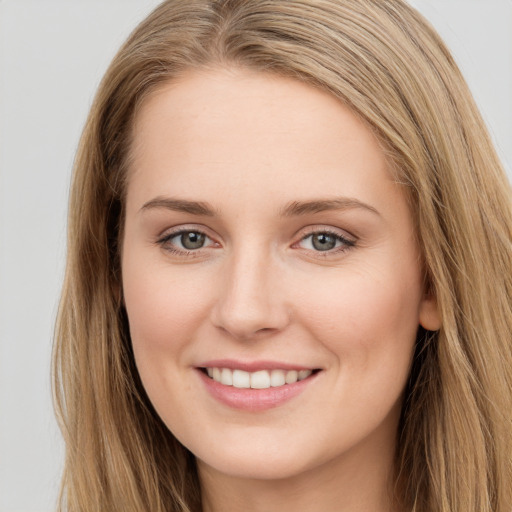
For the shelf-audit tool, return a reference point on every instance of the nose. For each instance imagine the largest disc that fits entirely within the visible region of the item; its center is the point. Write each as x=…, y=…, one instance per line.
x=251, y=299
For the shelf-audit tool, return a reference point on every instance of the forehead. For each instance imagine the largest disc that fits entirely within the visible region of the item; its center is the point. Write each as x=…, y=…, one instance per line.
x=253, y=133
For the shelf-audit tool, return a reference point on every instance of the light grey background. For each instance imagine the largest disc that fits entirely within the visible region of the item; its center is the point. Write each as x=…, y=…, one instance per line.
x=52, y=56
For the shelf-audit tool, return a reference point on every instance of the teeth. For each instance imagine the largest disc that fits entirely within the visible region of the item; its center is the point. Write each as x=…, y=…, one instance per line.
x=291, y=377
x=262, y=379
x=277, y=378
x=241, y=379
x=226, y=377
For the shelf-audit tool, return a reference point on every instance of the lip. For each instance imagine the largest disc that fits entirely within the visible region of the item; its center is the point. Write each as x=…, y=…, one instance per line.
x=254, y=400
x=252, y=366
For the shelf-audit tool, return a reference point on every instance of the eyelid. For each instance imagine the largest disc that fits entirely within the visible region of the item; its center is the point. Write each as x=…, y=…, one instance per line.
x=348, y=240
x=185, y=228
x=322, y=228
x=170, y=233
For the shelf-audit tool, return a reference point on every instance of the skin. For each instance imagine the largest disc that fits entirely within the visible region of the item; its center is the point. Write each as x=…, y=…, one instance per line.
x=249, y=145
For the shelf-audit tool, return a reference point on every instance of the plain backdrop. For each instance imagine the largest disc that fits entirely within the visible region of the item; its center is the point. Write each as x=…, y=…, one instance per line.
x=52, y=56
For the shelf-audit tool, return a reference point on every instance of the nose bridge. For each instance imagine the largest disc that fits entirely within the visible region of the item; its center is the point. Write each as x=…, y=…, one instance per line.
x=250, y=299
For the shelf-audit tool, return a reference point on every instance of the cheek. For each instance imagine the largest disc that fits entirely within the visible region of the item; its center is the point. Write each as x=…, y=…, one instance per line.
x=369, y=320
x=163, y=311
x=370, y=327
x=162, y=307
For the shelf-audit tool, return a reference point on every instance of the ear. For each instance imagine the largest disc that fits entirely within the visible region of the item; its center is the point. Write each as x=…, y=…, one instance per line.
x=429, y=316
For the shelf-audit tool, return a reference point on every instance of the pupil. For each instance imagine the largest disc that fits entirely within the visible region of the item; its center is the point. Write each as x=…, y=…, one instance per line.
x=323, y=242
x=192, y=240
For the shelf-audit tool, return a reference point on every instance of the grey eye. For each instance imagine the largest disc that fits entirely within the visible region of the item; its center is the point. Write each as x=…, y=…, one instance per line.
x=191, y=240
x=323, y=241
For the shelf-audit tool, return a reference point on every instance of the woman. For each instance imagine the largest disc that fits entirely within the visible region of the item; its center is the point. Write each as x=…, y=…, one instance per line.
x=288, y=280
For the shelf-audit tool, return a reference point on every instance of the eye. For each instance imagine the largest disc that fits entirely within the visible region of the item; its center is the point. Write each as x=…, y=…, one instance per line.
x=325, y=241
x=190, y=240
x=185, y=241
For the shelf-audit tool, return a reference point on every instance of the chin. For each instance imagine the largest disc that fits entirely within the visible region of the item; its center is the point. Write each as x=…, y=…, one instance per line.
x=263, y=457
x=255, y=468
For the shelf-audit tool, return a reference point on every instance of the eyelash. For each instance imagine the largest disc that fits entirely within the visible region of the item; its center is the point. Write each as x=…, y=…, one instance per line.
x=164, y=242
x=346, y=243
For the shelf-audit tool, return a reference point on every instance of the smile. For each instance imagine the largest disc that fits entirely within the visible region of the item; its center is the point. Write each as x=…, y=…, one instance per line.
x=255, y=386
x=262, y=379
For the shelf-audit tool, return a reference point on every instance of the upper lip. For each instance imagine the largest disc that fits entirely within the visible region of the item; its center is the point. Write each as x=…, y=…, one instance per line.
x=253, y=366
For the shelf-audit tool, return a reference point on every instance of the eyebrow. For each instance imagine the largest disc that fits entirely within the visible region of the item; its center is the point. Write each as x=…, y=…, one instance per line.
x=296, y=208
x=180, y=205
x=292, y=209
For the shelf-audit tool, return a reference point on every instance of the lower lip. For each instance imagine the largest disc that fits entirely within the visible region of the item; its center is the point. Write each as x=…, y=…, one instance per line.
x=255, y=400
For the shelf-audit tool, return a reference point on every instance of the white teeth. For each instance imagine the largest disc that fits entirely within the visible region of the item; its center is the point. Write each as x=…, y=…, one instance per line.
x=226, y=377
x=241, y=379
x=291, y=377
x=277, y=378
x=304, y=374
x=262, y=379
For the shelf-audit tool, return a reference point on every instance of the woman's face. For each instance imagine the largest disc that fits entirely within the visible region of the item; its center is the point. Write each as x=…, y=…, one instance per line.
x=267, y=245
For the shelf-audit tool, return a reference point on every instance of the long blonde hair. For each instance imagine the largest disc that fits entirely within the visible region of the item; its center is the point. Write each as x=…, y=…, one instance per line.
x=384, y=61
